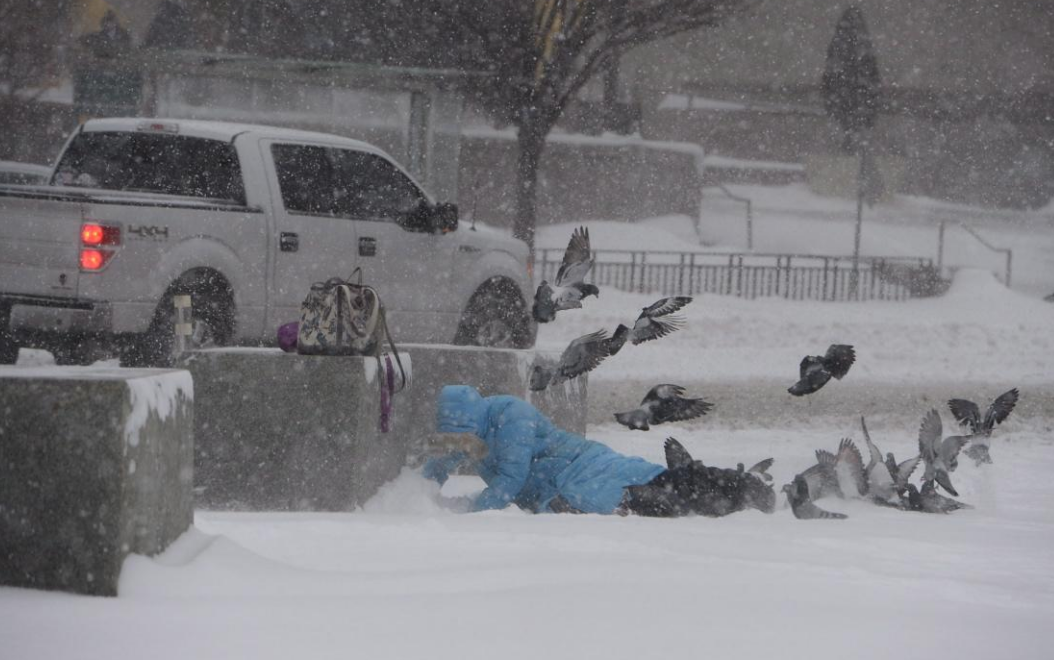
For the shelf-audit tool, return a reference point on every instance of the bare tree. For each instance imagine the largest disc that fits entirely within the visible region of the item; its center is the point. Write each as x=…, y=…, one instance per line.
x=32, y=34
x=541, y=54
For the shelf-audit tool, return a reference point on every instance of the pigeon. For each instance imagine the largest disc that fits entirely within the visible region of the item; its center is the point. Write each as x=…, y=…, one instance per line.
x=663, y=403
x=928, y=500
x=570, y=283
x=580, y=356
x=969, y=415
x=815, y=370
x=688, y=487
x=836, y=474
x=677, y=457
x=886, y=481
x=654, y=322
x=801, y=504
x=901, y=471
x=938, y=455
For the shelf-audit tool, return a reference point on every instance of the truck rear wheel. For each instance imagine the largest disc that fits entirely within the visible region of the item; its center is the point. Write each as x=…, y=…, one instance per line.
x=497, y=317
x=212, y=322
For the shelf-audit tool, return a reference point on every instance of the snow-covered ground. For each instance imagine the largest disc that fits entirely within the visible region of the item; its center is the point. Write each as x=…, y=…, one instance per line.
x=410, y=577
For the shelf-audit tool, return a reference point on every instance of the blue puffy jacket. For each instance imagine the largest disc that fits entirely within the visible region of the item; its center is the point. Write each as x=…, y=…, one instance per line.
x=530, y=461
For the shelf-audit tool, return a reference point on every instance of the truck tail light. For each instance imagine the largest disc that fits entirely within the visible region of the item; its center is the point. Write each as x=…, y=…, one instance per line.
x=94, y=259
x=93, y=234
x=93, y=237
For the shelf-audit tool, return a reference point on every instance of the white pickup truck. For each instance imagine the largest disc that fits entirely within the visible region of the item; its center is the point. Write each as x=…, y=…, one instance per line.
x=244, y=218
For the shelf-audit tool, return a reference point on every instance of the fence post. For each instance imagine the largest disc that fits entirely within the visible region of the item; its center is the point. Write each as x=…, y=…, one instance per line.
x=823, y=284
x=643, y=269
x=739, y=277
x=940, y=247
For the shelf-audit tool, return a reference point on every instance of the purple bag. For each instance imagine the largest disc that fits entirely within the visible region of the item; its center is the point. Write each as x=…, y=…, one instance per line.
x=287, y=333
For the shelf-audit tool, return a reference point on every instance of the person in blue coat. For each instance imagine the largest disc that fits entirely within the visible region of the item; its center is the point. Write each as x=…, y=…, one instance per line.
x=541, y=468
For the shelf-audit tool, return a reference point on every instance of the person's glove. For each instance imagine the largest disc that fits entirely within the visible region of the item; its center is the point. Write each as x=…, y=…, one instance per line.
x=439, y=468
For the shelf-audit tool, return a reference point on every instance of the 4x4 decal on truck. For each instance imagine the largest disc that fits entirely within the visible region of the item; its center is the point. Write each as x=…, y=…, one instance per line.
x=148, y=231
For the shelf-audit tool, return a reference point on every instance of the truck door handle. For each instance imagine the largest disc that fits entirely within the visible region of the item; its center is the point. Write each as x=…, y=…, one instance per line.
x=288, y=242
x=367, y=247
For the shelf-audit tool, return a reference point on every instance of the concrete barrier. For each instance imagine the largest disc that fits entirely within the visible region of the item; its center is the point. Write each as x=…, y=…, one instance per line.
x=278, y=431
x=95, y=463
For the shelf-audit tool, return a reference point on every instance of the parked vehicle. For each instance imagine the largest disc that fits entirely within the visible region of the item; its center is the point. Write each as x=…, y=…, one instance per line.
x=244, y=218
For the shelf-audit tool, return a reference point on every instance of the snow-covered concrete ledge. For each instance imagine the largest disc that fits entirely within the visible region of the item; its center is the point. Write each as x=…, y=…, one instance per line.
x=95, y=463
x=286, y=432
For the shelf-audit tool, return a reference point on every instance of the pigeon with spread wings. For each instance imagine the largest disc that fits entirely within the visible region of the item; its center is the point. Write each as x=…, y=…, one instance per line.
x=886, y=480
x=654, y=321
x=939, y=455
x=969, y=415
x=581, y=355
x=663, y=403
x=570, y=285
x=815, y=370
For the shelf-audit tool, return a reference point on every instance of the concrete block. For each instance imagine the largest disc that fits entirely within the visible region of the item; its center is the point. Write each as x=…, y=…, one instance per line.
x=287, y=432
x=95, y=463
x=278, y=431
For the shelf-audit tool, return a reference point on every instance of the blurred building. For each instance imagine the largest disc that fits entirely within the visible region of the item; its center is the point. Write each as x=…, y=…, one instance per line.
x=969, y=90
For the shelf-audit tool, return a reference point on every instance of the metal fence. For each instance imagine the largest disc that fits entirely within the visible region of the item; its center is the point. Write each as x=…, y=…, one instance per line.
x=797, y=277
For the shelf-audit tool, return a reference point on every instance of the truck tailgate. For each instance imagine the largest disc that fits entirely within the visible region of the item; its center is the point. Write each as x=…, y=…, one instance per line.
x=39, y=244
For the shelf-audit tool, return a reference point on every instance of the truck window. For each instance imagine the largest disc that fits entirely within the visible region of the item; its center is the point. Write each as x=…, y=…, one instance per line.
x=156, y=163
x=305, y=179
x=376, y=189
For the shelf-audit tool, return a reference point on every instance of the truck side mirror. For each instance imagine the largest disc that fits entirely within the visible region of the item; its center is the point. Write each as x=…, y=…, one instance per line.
x=446, y=216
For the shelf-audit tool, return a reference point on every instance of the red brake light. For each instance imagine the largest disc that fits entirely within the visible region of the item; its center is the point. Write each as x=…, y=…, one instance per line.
x=95, y=234
x=92, y=259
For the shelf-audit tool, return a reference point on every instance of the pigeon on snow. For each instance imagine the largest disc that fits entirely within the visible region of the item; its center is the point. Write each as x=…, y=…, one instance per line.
x=940, y=456
x=802, y=505
x=886, y=481
x=654, y=322
x=838, y=474
x=580, y=356
x=969, y=415
x=816, y=370
x=690, y=487
x=663, y=403
x=928, y=500
x=570, y=283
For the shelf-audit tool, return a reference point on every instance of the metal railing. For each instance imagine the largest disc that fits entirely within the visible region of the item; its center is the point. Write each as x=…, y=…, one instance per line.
x=796, y=277
x=980, y=239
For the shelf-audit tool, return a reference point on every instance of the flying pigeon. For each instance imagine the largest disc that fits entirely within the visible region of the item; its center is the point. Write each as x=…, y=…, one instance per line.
x=938, y=455
x=815, y=370
x=886, y=481
x=580, y=356
x=801, y=504
x=663, y=403
x=969, y=415
x=570, y=283
x=653, y=322
x=928, y=500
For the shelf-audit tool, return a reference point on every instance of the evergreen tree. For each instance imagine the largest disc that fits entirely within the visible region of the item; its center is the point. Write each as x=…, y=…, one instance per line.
x=851, y=83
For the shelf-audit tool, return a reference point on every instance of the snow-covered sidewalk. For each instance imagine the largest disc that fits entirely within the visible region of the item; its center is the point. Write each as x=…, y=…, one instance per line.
x=408, y=577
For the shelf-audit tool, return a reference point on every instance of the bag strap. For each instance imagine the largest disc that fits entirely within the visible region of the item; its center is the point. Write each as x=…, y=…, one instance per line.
x=358, y=269
x=395, y=351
